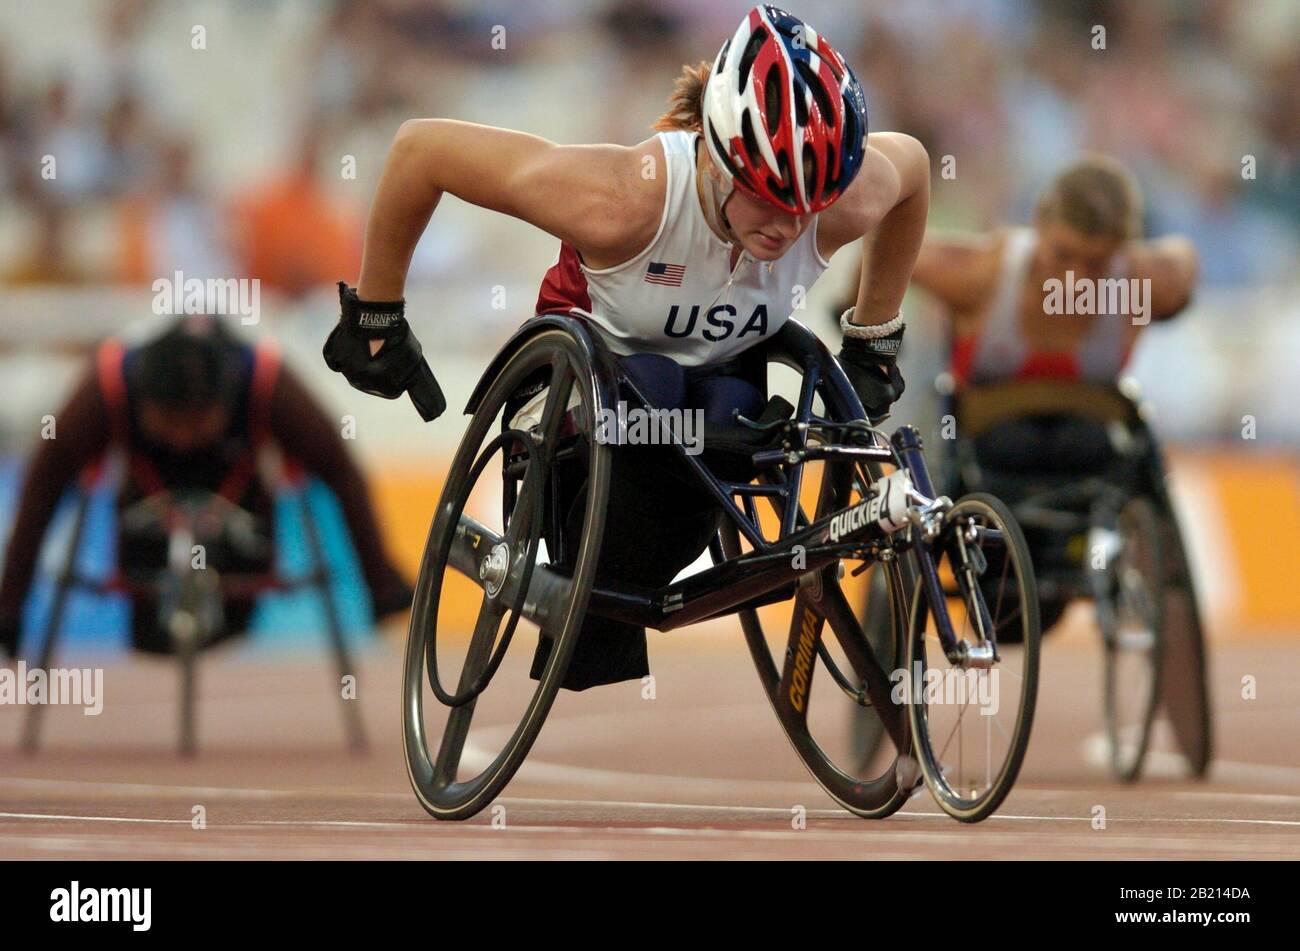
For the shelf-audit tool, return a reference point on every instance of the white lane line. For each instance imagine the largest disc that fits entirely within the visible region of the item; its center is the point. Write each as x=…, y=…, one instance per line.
x=109, y=788
x=851, y=819
x=1159, y=764
x=136, y=789
x=1148, y=819
x=452, y=852
x=60, y=818
x=578, y=828
x=130, y=789
x=894, y=846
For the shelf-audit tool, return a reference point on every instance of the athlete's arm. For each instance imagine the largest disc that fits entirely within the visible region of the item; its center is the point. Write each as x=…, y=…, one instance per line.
x=1171, y=264
x=579, y=193
x=591, y=196
x=887, y=206
x=960, y=271
x=303, y=431
x=83, y=427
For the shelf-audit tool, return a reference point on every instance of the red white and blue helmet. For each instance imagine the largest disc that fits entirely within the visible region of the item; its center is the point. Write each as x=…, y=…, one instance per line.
x=785, y=120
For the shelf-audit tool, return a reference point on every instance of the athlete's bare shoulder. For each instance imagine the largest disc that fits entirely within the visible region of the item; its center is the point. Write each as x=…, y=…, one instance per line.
x=595, y=197
x=894, y=166
x=1171, y=263
x=632, y=204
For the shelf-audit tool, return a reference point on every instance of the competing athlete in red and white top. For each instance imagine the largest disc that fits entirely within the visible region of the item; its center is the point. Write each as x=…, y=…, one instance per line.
x=1064, y=299
x=684, y=251
x=1086, y=231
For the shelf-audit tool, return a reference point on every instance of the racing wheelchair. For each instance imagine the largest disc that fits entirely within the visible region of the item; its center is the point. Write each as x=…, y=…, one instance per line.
x=190, y=599
x=1100, y=525
x=506, y=563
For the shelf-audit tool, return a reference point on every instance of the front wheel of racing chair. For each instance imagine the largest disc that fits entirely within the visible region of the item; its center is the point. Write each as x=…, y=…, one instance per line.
x=528, y=460
x=972, y=712
x=1130, y=614
x=828, y=719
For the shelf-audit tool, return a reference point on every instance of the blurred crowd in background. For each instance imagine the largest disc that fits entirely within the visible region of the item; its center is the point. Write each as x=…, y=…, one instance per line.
x=1182, y=91
x=243, y=138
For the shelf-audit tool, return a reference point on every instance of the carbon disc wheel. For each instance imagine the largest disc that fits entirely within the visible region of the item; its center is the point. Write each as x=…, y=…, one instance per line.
x=486, y=553
x=825, y=714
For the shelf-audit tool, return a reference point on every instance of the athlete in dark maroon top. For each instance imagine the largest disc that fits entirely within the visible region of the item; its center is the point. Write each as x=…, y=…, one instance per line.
x=192, y=407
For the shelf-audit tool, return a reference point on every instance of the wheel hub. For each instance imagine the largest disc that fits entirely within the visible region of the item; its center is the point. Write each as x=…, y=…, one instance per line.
x=496, y=565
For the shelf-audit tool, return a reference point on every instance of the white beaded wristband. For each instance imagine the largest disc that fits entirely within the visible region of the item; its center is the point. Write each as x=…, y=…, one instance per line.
x=869, y=331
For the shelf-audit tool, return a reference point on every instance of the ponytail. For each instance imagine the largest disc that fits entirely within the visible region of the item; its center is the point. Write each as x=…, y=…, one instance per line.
x=686, y=104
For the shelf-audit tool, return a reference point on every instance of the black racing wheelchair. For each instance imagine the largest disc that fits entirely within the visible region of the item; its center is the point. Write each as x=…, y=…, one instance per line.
x=1093, y=502
x=820, y=487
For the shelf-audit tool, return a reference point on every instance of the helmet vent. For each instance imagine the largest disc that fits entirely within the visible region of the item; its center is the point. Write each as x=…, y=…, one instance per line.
x=809, y=170
x=851, y=131
x=772, y=101
x=749, y=54
x=751, y=140
x=800, y=104
x=818, y=90
x=784, y=189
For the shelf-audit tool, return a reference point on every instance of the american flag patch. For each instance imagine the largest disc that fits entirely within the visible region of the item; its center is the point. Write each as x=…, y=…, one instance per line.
x=669, y=274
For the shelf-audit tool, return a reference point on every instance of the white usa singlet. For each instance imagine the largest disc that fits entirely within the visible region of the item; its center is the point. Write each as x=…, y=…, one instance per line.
x=680, y=296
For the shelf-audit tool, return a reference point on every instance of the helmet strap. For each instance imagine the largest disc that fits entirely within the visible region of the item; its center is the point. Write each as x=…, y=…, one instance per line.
x=714, y=197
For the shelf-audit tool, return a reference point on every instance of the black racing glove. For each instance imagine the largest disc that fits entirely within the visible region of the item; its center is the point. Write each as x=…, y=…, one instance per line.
x=871, y=366
x=399, y=367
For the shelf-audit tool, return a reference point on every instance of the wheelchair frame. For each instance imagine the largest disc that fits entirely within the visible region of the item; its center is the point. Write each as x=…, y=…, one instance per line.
x=317, y=578
x=767, y=574
x=1186, y=703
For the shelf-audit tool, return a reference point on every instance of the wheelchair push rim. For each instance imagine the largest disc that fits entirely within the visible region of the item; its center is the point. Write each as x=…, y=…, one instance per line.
x=971, y=721
x=436, y=778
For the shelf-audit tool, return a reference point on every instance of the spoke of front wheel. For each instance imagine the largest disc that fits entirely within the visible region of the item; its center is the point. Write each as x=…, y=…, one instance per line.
x=988, y=753
x=956, y=727
x=1010, y=617
x=1002, y=586
x=1003, y=730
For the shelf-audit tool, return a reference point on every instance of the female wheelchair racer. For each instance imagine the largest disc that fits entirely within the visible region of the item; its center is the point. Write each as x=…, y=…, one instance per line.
x=762, y=170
